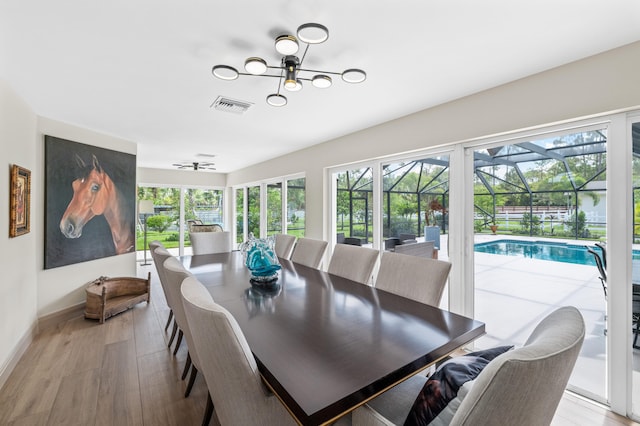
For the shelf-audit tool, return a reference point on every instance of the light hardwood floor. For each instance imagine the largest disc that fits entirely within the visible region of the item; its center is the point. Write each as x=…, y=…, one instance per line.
x=122, y=373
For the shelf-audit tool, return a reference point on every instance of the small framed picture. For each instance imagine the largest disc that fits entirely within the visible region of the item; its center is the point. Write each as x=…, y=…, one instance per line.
x=20, y=201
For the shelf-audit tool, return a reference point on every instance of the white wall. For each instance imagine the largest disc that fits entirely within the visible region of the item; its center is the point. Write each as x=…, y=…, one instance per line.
x=174, y=178
x=18, y=290
x=62, y=287
x=595, y=85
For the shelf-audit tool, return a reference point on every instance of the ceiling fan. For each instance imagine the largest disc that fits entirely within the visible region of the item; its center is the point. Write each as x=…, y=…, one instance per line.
x=195, y=166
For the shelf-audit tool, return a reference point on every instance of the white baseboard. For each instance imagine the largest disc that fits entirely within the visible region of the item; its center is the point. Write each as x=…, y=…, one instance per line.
x=18, y=351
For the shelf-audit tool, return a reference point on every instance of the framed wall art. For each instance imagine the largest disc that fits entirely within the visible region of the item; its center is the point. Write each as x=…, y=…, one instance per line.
x=20, y=201
x=90, y=209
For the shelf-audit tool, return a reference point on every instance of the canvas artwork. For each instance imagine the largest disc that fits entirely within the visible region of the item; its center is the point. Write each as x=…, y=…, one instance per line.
x=89, y=201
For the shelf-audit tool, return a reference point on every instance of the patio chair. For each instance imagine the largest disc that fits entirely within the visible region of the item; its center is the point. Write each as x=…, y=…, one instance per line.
x=407, y=238
x=520, y=387
x=601, y=264
x=353, y=241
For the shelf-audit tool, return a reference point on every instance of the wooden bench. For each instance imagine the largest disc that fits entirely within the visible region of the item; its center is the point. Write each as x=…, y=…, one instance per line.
x=107, y=297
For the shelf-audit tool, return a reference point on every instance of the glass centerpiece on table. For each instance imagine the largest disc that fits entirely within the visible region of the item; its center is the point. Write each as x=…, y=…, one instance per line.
x=261, y=260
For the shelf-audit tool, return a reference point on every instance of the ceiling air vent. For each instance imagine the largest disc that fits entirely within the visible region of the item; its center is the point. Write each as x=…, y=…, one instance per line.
x=231, y=105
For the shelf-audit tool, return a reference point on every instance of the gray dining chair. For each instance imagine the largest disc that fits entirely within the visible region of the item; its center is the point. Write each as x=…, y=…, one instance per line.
x=413, y=277
x=159, y=254
x=231, y=373
x=309, y=252
x=284, y=245
x=176, y=274
x=422, y=249
x=210, y=242
x=520, y=387
x=353, y=262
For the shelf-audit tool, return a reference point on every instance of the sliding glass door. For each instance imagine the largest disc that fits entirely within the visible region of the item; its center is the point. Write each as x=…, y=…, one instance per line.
x=539, y=207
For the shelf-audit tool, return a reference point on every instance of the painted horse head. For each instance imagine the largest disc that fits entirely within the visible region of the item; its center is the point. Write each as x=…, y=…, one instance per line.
x=94, y=194
x=90, y=197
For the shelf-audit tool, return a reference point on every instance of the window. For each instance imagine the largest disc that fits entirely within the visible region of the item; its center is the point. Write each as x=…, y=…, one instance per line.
x=283, y=211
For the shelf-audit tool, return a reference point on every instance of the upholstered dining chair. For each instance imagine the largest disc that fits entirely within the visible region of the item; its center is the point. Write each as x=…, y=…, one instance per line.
x=413, y=277
x=520, y=387
x=422, y=249
x=210, y=242
x=235, y=387
x=353, y=262
x=159, y=254
x=284, y=245
x=176, y=273
x=309, y=252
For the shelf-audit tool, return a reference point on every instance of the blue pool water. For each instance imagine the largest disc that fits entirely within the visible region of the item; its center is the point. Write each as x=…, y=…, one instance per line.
x=543, y=250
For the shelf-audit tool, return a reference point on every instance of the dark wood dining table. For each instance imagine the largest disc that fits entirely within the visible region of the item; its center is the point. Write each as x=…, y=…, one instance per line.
x=324, y=344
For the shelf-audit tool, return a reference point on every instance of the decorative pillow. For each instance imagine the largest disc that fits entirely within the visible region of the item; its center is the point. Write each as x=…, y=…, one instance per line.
x=443, y=385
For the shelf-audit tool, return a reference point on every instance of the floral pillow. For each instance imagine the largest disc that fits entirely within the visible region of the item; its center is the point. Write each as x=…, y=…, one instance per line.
x=443, y=385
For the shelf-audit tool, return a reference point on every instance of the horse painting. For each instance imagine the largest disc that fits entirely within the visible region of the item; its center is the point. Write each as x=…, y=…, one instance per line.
x=94, y=194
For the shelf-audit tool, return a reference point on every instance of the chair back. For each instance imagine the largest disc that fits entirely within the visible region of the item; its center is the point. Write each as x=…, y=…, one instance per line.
x=176, y=274
x=603, y=247
x=210, y=242
x=524, y=386
x=154, y=245
x=424, y=249
x=159, y=255
x=407, y=237
x=230, y=370
x=309, y=252
x=284, y=245
x=353, y=262
x=413, y=277
x=601, y=268
x=352, y=241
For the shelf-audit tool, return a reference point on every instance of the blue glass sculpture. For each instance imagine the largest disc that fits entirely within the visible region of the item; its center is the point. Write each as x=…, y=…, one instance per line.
x=261, y=260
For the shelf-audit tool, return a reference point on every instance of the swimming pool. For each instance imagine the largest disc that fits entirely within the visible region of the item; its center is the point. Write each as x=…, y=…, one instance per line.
x=543, y=250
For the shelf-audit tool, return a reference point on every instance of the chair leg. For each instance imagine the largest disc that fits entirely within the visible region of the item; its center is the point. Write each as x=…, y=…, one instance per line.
x=169, y=319
x=192, y=378
x=186, y=366
x=635, y=337
x=180, y=334
x=173, y=333
x=208, y=411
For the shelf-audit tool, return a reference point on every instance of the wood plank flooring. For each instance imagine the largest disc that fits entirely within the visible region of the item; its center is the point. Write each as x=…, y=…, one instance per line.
x=122, y=373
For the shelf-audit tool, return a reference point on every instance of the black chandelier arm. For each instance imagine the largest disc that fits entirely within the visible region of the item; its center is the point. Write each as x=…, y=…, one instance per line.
x=319, y=72
x=259, y=75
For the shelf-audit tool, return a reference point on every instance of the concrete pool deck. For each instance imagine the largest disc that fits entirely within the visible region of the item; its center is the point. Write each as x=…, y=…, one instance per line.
x=514, y=293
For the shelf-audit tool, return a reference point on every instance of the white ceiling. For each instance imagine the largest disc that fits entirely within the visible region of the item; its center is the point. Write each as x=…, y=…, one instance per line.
x=141, y=70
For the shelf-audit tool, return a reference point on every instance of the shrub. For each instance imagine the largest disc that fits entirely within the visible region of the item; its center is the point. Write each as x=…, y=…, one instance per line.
x=158, y=223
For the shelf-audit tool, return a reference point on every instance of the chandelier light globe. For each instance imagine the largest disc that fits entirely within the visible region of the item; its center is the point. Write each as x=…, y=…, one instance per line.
x=255, y=66
x=293, y=85
x=312, y=33
x=354, y=75
x=225, y=72
x=276, y=100
x=286, y=45
x=321, y=81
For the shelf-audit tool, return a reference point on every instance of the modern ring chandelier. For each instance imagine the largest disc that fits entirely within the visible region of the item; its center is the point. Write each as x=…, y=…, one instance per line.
x=291, y=66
